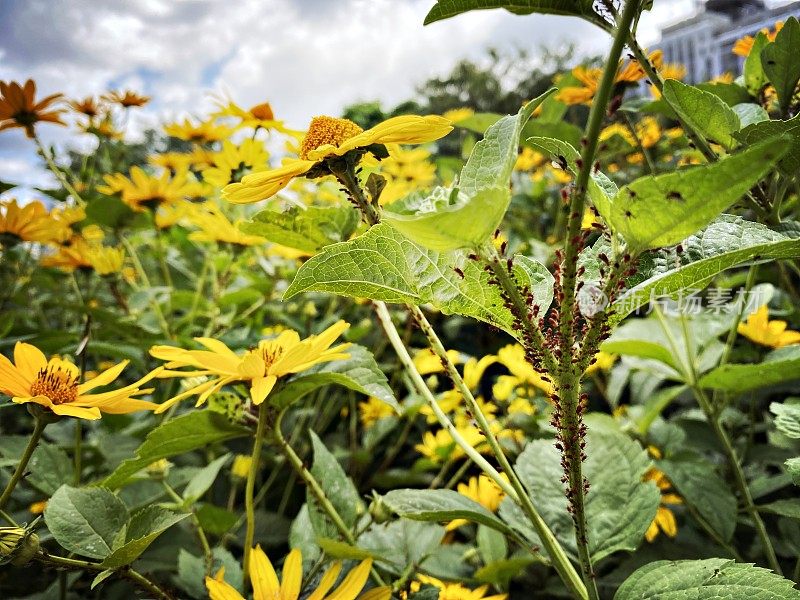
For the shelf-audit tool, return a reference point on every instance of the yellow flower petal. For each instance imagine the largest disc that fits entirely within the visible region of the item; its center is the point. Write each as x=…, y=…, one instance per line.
x=327, y=581
x=261, y=388
x=29, y=360
x=219, y=590
x=262, y=575
x=260, y=186
x=353, y=583
x=292, y=575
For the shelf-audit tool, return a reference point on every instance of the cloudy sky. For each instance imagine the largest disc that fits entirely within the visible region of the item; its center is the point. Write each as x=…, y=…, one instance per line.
x=305, y=57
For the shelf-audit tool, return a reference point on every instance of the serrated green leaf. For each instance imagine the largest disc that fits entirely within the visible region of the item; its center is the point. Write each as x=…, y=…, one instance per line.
x=787, y=417
x=696, y=480
x=757, y=132
x=703, y=111
x=194, y=430
x=466, y=215
x=440, y=506
x=338, y=488
x=619, y=505
x=709, y=579
x=142, y=530
x=754, y=77
x=204, y=479
x=661, y=210
x=778, y=366
x=727, y=242
x=781, y=61
x=444, y=9
x=360, y=372
x=85, y=521
x=382, y=264
x=402, y=542
x=307, y=229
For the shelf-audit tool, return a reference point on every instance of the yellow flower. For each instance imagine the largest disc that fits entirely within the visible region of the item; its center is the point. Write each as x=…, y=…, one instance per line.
x=143, y=191
x=372, y=410
x=664, y=519
x=761, y=330
x=455, y=115
x=199, y=133
x=261, y=367
x=54, y=385
x=37, y=508
x=744, y=45
x=441, y=446
x=669, y=71
x=589, y=218
x=216, y=227
x=88, y=106
x=529, y=159
x=426, y=362
x=18, y=107
x=267, y=586
x=31, y=222
x=104, y=128
x=455, y=591
x=726, y=77
x=484, y=491
x=234, y=162
x=522, y=373
x=589, y=77
x=127, y=98
x=241, y=466
x=603, y=361
x=174, y=161
x=259, y=116
x=406, y=171
x=82, y=254
x=329, y=137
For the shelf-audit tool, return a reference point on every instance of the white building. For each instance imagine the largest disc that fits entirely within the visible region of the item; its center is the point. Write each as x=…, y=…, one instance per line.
x=703, y=42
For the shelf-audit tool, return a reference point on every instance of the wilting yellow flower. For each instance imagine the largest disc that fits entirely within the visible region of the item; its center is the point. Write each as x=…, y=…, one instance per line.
x=329, y=137
x=88, y=106
x=261, y=367
x=664, y=519
x=54, y=385
x=31, y=222
x=372, y=410
x=234, y=162
x=216, y=227
x=455, y=591
x=18, y=107
x=127, y=98
x=241, y=466
x=743, y=46
x=761, y=330
x=148, y=191
x=522, y=373
x=455, y=115
x=199, y=133
x=267, y=586
x=17, y=545
x=158, y=469
x=81, y=254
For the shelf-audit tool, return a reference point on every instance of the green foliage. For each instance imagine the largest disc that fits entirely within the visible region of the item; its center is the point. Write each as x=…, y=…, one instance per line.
x=781, y=63
x=704, y=580
x=308, y=229
x=779, y=366
x=444, y=9
x=703, y=111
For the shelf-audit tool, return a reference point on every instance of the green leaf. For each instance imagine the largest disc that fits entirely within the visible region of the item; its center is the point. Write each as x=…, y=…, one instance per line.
x=440, y=506
x=142, y=530
x=708, y=579
x=781, y=61
x=754, y=77
x=696, y=480
x=338, y=488
x=444, y=9
x=49, y=468
x=194, y=430
x=402, y=542
x=757, y=132
x=786, y=508
x=501, y=572
x=492, y=544
x=466, y=215
x=619, y=505
x=792, y=467
x=85, y=521
x=727, y=242
x=779, y=366
x=661, y=210
x=110, y=211
x=703, y=111
x=342, y=550
x=750, y=113
x=787, y=418
x=192, y=570
x=308, y=229
x=360, y=372
x=214, y=519
x=204, y=479
x=382, y=264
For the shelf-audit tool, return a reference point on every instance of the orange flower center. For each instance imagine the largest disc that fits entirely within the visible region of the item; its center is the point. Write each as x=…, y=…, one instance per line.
x=271, y=356
x=263, y=112
x=327, y=130
x=60, y=386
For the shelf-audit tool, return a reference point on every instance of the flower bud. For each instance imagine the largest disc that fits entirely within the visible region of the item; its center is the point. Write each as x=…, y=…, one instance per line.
x=17, y=545
x=378, y=510
x=158, y=470
x=241, y=466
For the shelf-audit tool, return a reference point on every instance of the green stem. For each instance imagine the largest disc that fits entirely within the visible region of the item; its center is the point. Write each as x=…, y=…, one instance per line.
x=62, y=178
x=316, y=489
x=208, y=554
x=38, y=428
x=8, y=519
x=249, y=505
x=125, y=572
x=513, y=488
x=137, y=265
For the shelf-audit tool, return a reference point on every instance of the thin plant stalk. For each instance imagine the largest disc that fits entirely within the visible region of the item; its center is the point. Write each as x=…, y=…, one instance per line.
x=33, y=441
x=249, y=505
